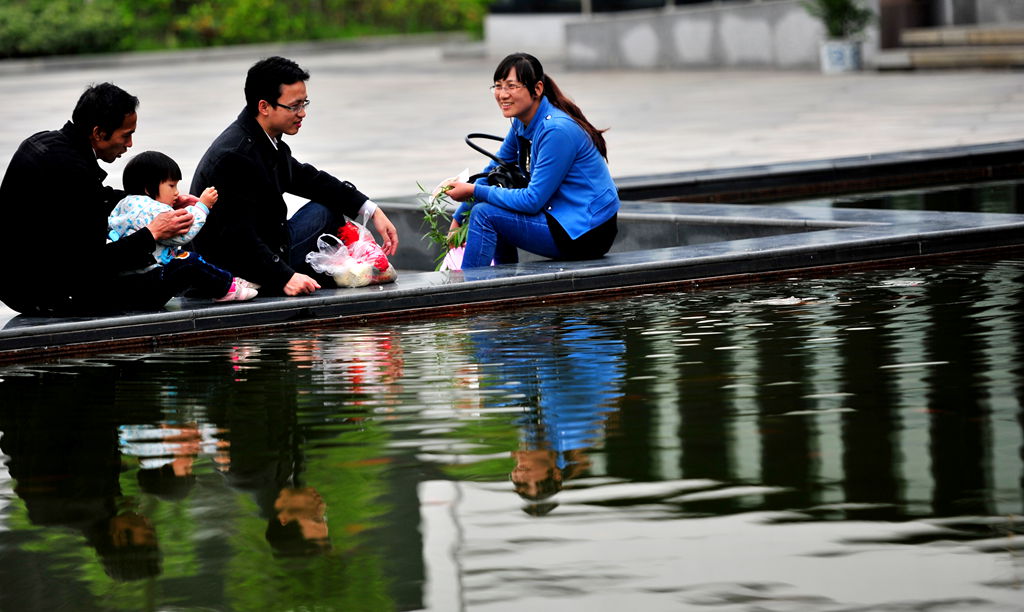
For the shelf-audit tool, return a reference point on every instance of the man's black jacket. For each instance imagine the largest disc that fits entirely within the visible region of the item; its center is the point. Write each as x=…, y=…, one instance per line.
x=56, y=207
x=246, y=231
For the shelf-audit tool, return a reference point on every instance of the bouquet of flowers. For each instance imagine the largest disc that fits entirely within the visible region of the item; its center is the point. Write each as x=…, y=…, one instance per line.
x=352, y=257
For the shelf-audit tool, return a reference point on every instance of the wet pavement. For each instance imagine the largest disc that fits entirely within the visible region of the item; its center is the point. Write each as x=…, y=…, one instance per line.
x=387, y=118
x=391, y=117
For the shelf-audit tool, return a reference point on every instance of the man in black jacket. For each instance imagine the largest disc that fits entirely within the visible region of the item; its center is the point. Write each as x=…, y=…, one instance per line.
x=249, y=231
x=56, y=209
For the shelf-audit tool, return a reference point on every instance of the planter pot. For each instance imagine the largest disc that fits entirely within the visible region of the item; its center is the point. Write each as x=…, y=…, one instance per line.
x=839, y=56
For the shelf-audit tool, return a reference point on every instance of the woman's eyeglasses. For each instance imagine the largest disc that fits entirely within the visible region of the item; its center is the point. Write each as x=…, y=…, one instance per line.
x=509, y=87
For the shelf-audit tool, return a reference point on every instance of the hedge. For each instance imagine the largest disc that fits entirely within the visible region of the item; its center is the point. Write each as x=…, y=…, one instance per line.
x=49, y=27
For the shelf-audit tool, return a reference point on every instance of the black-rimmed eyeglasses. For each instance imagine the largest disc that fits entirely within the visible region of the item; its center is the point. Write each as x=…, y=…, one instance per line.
x=294, y=107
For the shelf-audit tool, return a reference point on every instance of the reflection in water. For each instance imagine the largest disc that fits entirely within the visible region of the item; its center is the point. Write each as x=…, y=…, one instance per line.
x=790, y=445
x=264, y=442
x=565, y=373
x=994, y=197
x=62, y=452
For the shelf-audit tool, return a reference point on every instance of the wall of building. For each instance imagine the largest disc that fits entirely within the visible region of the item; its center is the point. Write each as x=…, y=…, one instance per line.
x=897, y=14
x=771, y=33
x=778, y=34
x=999, y=11
x=542, y=34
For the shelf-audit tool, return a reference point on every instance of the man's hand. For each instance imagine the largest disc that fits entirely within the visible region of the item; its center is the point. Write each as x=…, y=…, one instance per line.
x=183, y=200
x=387, y=231
x=300, y=284
x=170, y=224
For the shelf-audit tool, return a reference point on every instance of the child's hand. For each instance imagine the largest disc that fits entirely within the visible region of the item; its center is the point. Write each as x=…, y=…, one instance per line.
x=209, y=196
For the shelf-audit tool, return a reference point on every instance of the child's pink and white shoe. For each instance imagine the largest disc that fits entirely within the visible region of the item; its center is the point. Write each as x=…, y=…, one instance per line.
x=240, y=291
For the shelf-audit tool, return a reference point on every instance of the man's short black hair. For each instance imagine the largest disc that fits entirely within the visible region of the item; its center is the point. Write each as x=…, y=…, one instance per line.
x=104, y=106
x=164, y=483
x=143, y=173
x=287, y=540
x=265, y=79
x=124, y=560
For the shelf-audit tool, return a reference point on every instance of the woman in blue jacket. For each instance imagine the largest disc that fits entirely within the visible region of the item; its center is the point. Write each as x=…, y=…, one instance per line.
x=568, y=209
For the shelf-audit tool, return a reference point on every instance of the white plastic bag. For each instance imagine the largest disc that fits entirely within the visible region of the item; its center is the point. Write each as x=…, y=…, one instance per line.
x=453, y=259
x=352, y=258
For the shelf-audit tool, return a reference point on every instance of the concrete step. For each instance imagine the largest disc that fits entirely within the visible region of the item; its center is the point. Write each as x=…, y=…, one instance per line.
x=923, y=58
x=1000, y=34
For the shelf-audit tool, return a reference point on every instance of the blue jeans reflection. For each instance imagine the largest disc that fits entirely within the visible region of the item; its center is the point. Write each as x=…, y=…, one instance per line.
x=569, y=373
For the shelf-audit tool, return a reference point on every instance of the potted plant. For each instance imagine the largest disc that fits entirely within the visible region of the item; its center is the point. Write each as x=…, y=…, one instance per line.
x=844, y=21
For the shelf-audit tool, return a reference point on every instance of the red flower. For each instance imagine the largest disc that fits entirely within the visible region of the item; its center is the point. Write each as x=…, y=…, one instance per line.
x=348, y=233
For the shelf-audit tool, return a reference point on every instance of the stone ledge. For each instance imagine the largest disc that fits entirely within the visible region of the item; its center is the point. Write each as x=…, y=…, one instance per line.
x=1003, y=34
x=840, y=237
x=950, y=58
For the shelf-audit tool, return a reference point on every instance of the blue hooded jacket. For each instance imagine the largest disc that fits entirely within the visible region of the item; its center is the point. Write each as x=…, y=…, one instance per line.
x=569, y=179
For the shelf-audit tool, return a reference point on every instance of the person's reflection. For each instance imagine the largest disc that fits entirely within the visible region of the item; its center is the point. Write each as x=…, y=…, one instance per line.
x=264, y=439
x=299, y=525
x=371, y=364
x=167, y=453
x=570, y=372
x=536, y=474
x=127, y=545
x=62, y=447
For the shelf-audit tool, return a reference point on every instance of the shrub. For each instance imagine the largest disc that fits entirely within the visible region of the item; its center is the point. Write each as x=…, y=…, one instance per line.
x=49, y=27
x=841, y=18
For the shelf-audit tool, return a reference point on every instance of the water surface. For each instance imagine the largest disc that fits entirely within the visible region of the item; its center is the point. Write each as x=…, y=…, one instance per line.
x=837, y=443
x=1005, y=196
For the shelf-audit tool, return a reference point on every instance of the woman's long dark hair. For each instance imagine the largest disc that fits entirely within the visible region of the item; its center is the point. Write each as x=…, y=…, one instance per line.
x=530, y=72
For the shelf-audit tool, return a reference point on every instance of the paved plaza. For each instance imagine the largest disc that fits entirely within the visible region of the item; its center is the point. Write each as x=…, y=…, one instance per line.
x=390, y=117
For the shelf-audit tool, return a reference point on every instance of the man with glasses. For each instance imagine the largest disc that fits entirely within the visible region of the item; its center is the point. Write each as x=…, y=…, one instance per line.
x=56, y=209
x=248, y=232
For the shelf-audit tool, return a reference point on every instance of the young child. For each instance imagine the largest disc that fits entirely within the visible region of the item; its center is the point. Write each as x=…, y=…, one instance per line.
x=151, y=182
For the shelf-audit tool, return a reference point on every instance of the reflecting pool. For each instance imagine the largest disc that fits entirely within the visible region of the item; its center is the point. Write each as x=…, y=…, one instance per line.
x=848, y=442
x=985, y=197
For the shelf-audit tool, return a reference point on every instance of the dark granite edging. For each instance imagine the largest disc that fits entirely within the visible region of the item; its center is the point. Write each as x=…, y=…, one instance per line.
x=789, y=180
x=846, y=237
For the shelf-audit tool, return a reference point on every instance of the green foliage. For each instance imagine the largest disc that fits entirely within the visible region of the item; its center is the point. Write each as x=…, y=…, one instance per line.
x=842, y=18
x=49, y=27
x=438, y=221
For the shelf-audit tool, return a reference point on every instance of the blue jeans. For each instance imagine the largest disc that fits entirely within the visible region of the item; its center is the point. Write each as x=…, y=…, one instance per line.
x=193, y=276
x=495, y=233
x=305, y=226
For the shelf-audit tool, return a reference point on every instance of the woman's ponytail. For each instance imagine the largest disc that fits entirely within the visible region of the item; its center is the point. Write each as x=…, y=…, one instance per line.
x=561, y=101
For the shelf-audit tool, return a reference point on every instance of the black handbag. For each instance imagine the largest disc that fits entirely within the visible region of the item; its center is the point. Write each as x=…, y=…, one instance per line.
x=507, y=175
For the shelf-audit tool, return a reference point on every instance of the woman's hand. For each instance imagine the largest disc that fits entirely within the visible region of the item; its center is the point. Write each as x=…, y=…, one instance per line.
x=457, y=233
x=460, y=192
